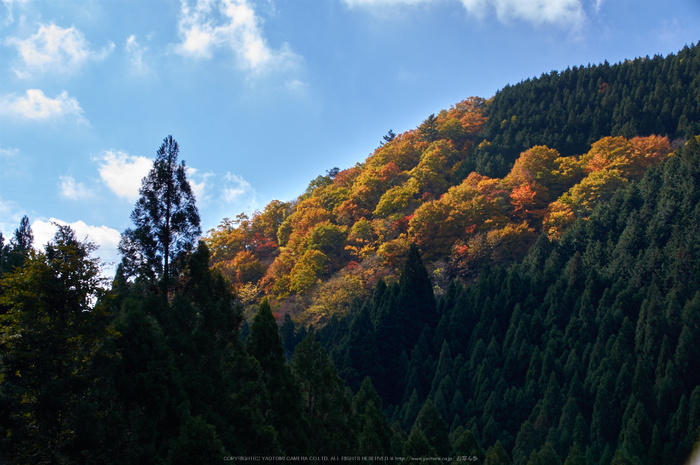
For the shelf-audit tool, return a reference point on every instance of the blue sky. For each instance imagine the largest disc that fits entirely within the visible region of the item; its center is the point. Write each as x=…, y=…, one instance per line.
x=263, y=95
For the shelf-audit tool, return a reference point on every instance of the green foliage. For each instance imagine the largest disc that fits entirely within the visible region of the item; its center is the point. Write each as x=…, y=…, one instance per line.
x=15, y=253
x=197, y=443
x=428, y=129
x=326, y=405
x=166, y=219
x=53, y=328
x=570, y=110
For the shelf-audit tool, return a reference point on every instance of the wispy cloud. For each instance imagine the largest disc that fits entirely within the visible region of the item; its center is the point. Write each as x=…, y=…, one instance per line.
x=72, y=190
x=12, y=165
x=295, y=85
x=37, y=106
x=123, y=172
x=198, y=182
x=556, y=12
x=372, y=4
x=233, y=24
x=105, y=237
x=55, y=49
x=10, y=216
x=135, y=52
x=237, y=193
x=235, y=188
x=9, y=4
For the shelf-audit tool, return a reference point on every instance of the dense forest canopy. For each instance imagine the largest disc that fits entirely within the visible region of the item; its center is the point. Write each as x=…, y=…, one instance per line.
x=514, y=281
x=479, y=181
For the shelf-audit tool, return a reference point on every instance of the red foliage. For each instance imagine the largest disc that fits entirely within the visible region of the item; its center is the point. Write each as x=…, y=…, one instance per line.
x=400, y=226
x=462, y=250
x=352, y=265
x=346, y=177
x=263, y=246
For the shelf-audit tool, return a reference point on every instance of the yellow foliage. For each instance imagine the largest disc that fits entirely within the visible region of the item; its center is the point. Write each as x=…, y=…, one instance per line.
x=307, y=271
x=558, y=218
x=535, y=164
x=404, y=151
x=395, y=251
x=595, y=186
x=397, y=199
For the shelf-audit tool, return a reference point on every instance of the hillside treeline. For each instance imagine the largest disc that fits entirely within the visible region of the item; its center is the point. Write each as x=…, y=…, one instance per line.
x=583, y=352
x=433, y=187
x=571, y=109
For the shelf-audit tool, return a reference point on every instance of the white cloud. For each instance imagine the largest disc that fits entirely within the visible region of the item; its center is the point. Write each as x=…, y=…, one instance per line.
x=9, y=19
x=236, y=187
x=106, y=238
x=211, y=24
x=558, y=12
x=123, y=172
x=8, y=152
x=135, y=52
x=37, y=106
x=198, y=182
x=10, y=216
x=382, y=3
x=12, y=165
x=238, y=192
x=55, y=49
x=295, y=85
x=70, y=189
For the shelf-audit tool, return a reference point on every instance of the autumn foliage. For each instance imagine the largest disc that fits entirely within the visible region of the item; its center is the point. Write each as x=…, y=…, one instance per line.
x=351, y=226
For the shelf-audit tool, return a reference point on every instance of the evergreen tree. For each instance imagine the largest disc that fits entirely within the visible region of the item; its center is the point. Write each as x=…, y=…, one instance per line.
x=326, y=406
x=428, y=129
x=434, y=427
x=417, y=446
x=54, y=327
x=288, y=336
x=388, y=138
x=496, y=455
x=17, y=250
x=362, y=356
x=283, y=391
x=166, y=219
x=197, y=443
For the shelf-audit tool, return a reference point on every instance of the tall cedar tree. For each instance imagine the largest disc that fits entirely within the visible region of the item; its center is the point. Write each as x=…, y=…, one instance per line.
x=284, y=393
x=16, y=251
x=166, y=219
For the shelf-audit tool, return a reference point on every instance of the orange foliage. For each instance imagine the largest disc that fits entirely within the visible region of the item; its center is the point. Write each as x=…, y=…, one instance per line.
x=309, y=213
x=469, y=112
x=346, y=177
x=404, y=151
x=474, y=179
x=279, y=270
x=535, y=164
x=529, y=201
x=632, y=157
x=349, y=212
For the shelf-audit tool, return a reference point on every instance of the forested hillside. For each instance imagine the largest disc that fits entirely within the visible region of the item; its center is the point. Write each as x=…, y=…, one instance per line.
x=589, y=340
x=516, y=281
x=571, y=109
x=544, y=152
